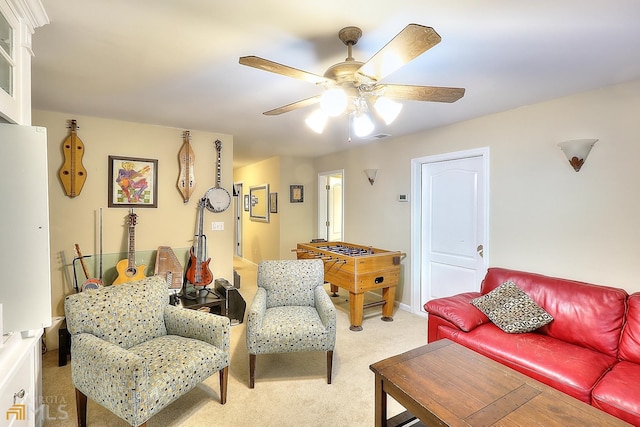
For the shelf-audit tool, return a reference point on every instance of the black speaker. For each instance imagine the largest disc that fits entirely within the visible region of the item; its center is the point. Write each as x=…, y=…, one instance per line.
x=235, y=304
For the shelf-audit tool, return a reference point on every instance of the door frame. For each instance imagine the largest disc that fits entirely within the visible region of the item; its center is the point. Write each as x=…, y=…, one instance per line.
x=416, y=214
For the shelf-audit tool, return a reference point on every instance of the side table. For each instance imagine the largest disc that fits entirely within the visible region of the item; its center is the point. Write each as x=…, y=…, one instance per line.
x=64, y=343
x=215, y=303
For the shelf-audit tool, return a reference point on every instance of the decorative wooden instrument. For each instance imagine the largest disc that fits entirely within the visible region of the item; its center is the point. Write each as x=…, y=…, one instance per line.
x=186, y=179
x=72, y=173
x=218, y=199
x=198, y=272
x=90, y=282
x=167, y=265
x=127, y=269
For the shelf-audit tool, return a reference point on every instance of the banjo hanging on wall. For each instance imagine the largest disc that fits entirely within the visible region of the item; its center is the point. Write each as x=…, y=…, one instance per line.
x=218, y=199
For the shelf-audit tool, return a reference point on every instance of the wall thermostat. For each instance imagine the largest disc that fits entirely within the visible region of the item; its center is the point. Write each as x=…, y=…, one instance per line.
x=403, y=198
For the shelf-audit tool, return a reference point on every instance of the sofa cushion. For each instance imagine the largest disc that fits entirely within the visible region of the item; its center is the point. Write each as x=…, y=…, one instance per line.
x=630, y=341
x=618, y=393
x=510, y=309
x=584, y=314
x=457, y=310
x=566, y=367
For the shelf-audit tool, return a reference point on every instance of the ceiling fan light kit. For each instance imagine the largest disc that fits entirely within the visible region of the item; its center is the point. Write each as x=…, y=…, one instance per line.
x=353, y=87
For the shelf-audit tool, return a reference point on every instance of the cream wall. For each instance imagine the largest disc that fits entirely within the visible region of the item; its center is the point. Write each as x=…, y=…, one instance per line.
x=293, y=223
x=544, y=217
x=173, y=223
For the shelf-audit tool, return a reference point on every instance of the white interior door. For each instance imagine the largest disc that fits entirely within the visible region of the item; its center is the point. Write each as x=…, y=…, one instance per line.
x=238, y=209
x=330, y=206
x=453, y=225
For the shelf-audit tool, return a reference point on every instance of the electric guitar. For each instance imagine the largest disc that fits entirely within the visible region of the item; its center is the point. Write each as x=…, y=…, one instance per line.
x=198, y=272
x=127, y=269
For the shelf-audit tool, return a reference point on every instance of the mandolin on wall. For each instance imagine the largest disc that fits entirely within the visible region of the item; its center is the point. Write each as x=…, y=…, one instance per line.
x=72, y=173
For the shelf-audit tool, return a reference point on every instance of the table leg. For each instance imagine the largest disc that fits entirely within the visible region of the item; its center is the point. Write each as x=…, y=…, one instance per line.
x=356, y=307
x=389, y=295
x=381, y=403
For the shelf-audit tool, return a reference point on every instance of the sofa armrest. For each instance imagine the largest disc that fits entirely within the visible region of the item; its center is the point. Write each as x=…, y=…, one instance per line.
x=458, y=310
x=106, y=372
x=198, y=325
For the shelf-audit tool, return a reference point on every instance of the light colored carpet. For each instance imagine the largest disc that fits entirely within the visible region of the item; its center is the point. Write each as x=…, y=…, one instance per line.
x=290, y=389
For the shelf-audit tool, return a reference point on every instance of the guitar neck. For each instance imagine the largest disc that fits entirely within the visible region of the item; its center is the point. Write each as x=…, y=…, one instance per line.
x=218, y=166
x=132, y=247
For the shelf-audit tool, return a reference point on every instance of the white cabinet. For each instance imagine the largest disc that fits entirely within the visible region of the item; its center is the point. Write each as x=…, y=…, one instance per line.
x=18, y=21
x=21, y=381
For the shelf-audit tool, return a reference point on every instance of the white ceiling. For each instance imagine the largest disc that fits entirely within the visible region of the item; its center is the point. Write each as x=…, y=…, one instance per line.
x=175, y=63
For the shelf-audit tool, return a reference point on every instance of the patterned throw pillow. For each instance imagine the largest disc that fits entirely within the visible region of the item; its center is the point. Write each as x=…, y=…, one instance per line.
x=512, y=310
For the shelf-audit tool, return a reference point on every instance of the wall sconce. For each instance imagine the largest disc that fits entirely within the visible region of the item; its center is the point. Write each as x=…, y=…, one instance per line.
x=577, y=151
x=371, y=175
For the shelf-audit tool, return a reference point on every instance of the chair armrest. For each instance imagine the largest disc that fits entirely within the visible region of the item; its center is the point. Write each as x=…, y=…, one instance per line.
x=255, y=318
x=327, y=312
x=198, y=325
x=458, y=310
x=106, y=372
x=325, y=307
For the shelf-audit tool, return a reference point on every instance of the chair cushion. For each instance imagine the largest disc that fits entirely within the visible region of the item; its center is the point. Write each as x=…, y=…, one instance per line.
x=175, y=365
x=290, y=282
x=103, y=312
x=291, y=328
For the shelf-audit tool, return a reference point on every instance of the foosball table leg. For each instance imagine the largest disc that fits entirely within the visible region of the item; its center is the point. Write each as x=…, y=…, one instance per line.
x=388, y=295
x=334, y=290
x=356, y=308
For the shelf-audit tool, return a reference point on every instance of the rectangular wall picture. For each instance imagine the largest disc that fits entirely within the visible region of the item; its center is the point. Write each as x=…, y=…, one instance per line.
x=133, y=182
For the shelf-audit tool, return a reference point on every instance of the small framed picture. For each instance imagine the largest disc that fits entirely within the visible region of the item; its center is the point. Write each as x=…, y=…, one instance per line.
x=246, y=202
x=273, y=202
x=296, y=193
x=133, y=182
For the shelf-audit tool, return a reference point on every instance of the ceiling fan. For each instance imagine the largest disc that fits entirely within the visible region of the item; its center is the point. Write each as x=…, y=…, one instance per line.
x=352, y=86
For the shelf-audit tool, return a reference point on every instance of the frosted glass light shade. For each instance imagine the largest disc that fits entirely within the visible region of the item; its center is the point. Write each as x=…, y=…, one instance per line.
x=362, y=124
x=577, y=151
x=333, y=101
x=387, y=109
x=317, y=121
x=371, y=175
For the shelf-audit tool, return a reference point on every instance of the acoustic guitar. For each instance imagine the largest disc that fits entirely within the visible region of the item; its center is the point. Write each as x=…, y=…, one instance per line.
x=127, y=269
x=198, y=272
x=90, y=282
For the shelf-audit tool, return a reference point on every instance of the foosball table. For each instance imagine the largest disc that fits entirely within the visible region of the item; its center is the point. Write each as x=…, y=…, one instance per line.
x=357, y=269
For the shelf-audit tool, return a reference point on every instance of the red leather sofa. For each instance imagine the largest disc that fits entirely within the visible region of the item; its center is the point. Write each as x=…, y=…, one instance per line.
x=591, y=350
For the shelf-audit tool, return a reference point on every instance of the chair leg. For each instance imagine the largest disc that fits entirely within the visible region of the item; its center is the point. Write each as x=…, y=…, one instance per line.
x=81, y=408
x=252, y=370
x=329, y=365
x=224, y=376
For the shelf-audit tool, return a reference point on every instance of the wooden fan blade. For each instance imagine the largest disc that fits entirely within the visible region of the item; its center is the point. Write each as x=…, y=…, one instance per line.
x=274, y=67
x=423, y=93
x=293, y=106
x=410, y=43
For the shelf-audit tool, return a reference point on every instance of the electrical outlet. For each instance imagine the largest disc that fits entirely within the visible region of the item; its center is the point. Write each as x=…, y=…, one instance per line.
x=217, y=226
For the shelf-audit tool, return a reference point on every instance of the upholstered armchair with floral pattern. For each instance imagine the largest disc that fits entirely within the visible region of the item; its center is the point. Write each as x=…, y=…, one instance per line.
x=134, y=353
x=291, y=312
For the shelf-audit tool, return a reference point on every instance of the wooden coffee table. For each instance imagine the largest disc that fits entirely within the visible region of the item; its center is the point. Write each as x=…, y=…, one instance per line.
x=446, y=384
